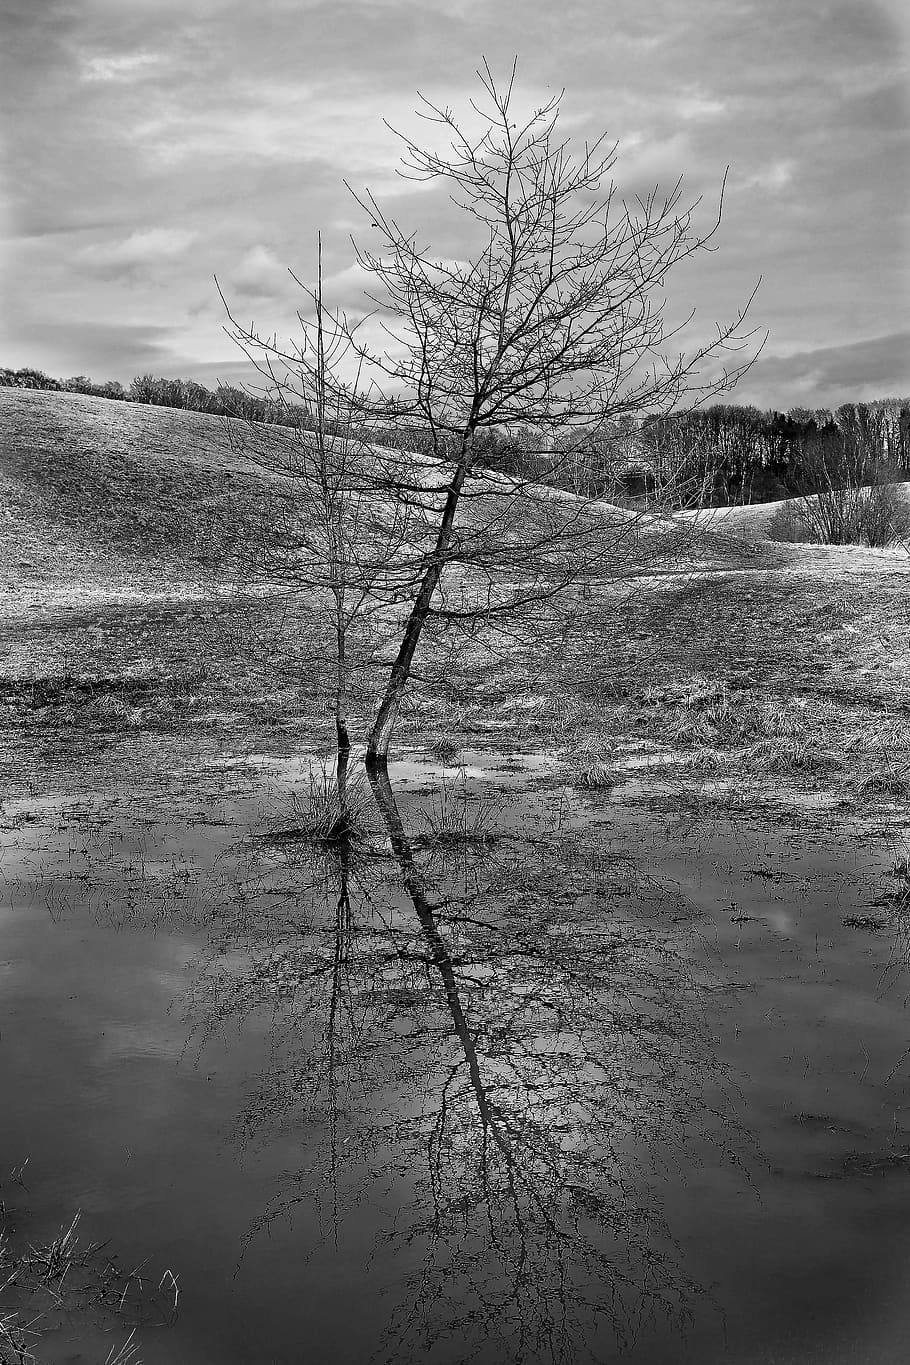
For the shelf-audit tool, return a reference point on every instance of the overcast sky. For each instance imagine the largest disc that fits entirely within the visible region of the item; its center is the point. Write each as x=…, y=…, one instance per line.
x=148, y=145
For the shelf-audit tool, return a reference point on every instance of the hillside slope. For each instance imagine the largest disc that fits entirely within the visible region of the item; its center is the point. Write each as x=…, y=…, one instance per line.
x=99, y=496
x=89, y=486
x=98, y=491
x=120, y=527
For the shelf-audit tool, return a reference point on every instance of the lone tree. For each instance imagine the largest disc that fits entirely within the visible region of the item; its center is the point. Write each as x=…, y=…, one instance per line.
x=554, y=325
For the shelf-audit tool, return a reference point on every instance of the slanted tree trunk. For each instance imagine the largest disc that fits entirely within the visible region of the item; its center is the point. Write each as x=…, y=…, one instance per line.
x=387, y=715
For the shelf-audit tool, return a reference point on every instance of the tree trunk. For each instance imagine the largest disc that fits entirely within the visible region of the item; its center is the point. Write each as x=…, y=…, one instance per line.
x=342, y=735
x=380, y=736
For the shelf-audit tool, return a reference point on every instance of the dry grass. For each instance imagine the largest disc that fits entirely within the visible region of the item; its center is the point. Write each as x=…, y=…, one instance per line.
x=319, y=815
x=446, y=750
x=884, y=782
x=44, y=1284
x=776, y=661
x=589, y=768
x=86, y=477
x=126, y=1354
x=455, y=818
x=52, y=1263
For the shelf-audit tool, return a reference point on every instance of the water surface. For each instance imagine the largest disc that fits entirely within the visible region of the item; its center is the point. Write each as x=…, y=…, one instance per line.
x=528, y=1075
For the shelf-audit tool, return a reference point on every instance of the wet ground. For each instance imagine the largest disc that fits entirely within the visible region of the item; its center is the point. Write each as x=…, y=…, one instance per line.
x=527, y=1073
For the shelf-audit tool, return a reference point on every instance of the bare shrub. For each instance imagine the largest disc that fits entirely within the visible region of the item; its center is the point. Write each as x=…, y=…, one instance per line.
x=791, y=524
x=876, y=515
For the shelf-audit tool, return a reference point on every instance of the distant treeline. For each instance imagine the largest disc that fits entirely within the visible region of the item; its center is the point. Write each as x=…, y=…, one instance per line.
x=225, y=401
x=727, y=453
x=744, y=455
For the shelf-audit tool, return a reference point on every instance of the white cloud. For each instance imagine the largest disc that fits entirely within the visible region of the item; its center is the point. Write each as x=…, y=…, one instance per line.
x=123, y=67
x=695, y=106
x=276, y=124
x=348, y=126
x=260, y=274
x=645, y=157
x=777, y=175
x=348, y=283
x=140, y=248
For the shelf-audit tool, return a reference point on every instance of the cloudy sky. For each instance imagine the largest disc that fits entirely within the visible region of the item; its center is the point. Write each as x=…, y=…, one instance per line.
x=149, y=145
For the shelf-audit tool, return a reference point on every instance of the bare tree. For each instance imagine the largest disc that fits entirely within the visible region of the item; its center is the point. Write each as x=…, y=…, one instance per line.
x=555, y=323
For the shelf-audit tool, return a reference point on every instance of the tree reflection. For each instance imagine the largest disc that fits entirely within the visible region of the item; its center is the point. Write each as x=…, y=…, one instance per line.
x=504, y=1050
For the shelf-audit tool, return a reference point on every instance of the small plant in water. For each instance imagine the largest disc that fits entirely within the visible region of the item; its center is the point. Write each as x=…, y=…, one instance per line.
x=446, y=750
x=54, y=1260
x=322, y=815
x=590, y=770
x=457, y=818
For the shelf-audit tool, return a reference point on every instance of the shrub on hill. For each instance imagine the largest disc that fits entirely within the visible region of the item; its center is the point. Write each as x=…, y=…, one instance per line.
x=876, y=516
x=80, y=383
x=29, y=379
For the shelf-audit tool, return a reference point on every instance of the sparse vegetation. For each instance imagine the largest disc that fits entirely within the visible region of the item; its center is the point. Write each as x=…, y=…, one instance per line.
x=42, y=1283
x=590, y=769
x=323, y=813
x=455, y=818
x=877, y=515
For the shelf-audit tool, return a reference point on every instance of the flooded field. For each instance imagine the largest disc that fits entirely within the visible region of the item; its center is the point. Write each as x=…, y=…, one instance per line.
x=523, y=1073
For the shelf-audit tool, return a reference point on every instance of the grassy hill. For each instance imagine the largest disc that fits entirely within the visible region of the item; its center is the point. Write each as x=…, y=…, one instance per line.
x=120, y=527
x=94, y=480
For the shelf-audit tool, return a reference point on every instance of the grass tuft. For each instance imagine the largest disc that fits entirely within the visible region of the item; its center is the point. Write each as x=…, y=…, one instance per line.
x=52, y=1262
x=589, y=769
x=446, y=750
x=893, y=782
x=706, y=694
x=320, y=816
x=456, y=819
x=781, y=754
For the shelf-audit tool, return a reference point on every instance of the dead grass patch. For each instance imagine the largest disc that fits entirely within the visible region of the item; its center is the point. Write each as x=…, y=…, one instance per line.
x=884, y=782
x=455, y=817
x=319, y=814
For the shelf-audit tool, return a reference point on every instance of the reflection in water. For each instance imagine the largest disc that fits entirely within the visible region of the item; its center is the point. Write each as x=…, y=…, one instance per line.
x=468, y=1076
x=500, y=1047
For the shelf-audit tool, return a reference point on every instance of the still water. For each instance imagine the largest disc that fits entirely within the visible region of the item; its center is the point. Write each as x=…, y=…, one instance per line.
x=527, y=1074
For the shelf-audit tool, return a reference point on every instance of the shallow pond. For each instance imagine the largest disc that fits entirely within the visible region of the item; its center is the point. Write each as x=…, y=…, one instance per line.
x=529, y=1074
